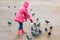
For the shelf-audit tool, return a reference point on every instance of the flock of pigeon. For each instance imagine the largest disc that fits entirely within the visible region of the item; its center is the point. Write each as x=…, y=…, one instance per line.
x=36, y=31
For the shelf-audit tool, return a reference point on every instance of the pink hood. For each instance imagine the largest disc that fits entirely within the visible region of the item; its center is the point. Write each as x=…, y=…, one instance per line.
x=26, y=4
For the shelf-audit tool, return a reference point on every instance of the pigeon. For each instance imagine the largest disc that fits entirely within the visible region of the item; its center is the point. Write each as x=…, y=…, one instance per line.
x=27, y=36
x=46, y=29
x=38, y=24
x=32, y=28
x=37, y=19
x=51, y=27
x=34, y=24
x=15, y=13
x=49, y=33
x=33, y=14
x=39, y=31
x=31, y=9
x=47, y=21
x=9, y=23
x=14, y=6
x=8, y=6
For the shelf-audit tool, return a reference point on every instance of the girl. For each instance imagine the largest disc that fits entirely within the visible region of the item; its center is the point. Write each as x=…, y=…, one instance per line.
x=21, y=15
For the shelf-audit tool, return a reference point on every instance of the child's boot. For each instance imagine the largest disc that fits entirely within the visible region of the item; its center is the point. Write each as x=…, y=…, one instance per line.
x=19, y=32
x=23, y=31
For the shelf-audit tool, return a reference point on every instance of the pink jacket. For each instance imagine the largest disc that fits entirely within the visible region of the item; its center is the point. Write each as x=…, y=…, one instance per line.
x=22, y=13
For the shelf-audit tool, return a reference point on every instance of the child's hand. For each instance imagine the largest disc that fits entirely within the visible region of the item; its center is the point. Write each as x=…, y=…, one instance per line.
x=31, y=20
x=25, y=20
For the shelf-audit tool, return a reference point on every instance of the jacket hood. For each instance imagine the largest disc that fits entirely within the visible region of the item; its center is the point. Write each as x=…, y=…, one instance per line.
x=26, y=4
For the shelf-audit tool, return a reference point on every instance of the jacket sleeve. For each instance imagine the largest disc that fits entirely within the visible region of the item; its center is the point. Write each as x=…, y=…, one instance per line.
x=26, y=14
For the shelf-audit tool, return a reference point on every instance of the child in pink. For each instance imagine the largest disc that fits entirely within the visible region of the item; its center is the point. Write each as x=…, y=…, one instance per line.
x=21, y=15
